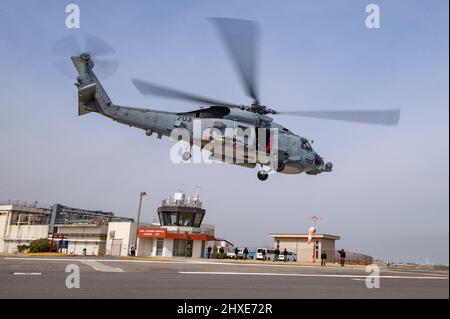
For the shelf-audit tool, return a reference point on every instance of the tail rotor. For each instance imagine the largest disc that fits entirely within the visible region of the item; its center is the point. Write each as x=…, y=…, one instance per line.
x=88, y=47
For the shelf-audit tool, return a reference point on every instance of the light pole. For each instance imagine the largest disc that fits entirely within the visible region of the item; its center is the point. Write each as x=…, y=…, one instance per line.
x=141, y=195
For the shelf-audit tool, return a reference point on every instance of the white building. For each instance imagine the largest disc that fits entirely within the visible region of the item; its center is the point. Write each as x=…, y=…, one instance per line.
x=222, y=243
x=180, y=232
x=121, y=236
x=174, y=241
x=307, y=251
x=84, y=231
x=21, y=224
x=83, y=239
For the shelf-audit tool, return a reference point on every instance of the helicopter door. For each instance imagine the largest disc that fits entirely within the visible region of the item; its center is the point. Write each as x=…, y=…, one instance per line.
x=245, y=137
x=263, y=141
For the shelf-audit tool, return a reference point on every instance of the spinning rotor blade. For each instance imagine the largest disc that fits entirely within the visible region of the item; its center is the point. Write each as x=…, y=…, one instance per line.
x=379, y=117
x=97, y=47
x=147, y=88
x=106, y=68
x=67, y=47
x=94, y=46
x=241, y=37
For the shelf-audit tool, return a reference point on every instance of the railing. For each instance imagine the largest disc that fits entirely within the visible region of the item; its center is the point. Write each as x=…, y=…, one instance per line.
x=26, y=204
x=181, y=203
x=81, y=222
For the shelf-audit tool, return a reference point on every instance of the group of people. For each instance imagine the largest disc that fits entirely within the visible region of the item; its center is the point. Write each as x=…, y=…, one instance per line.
x=277, y=253
x=221, y=253
x=244, y=253
x=323, y=257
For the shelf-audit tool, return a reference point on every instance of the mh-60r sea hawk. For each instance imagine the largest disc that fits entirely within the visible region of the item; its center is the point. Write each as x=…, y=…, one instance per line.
x=295, y=154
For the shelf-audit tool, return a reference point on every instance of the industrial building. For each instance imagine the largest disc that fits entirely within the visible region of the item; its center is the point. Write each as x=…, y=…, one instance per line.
x=307, y=251
x=180, y=231
x=84, y=232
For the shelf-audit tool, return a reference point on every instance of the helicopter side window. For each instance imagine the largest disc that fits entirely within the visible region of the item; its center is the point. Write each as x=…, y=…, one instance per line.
x=306, y=146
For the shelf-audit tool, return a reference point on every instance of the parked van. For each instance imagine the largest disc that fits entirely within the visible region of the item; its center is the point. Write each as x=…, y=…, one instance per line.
x=259, y=253
x=270, y=254
x=290, y=256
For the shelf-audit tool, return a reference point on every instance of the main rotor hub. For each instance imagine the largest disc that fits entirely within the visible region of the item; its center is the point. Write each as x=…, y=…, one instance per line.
x=259, y=109
x=86, y=57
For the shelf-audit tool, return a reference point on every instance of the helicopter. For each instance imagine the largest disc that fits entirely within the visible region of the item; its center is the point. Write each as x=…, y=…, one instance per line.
x=294, y=153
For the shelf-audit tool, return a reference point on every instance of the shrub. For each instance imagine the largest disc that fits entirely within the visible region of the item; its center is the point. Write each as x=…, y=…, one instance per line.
x=22, y=248
x=41, y=246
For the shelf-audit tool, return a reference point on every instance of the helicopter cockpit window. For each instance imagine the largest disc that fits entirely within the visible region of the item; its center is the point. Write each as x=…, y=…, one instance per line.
x=306, y=146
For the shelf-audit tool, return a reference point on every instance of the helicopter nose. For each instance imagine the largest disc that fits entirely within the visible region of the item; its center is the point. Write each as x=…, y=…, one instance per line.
x=318, y=160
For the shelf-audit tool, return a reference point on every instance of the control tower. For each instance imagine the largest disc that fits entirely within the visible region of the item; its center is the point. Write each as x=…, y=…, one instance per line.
x=180, y=210
x=180, y=232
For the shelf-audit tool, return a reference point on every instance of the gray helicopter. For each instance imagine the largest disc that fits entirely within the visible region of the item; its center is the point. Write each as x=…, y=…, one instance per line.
x=294, y=153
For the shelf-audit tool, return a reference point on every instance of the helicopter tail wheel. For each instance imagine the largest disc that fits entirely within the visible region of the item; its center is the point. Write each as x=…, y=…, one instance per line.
x=262, y=175
x=281, y=166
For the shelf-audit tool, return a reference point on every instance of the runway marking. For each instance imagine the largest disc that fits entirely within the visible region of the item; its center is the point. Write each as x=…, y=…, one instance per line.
x=181, y=262
x=101, y=267
x=300, y=275
x=172, y=262
x=358, y=279
x=27, y=273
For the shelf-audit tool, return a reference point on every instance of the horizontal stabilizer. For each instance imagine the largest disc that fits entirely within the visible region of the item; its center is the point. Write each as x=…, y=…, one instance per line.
x=86, y=99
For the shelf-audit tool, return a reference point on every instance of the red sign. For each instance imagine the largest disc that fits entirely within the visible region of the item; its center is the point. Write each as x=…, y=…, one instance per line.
x=147, y=232
x=152, y=232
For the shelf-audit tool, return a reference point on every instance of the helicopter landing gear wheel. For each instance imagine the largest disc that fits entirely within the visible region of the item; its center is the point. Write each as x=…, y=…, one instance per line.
x=281, y=166
x=186, y=156
x=262, y=176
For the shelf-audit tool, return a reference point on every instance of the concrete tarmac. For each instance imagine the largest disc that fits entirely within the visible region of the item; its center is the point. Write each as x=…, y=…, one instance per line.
x=45, y=277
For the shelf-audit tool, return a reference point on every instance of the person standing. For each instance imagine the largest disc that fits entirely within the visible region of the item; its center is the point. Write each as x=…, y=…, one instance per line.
x=285, y=254
x=323, y=258
x=342, y=256
x=277, y=254
x=264, y=253
x=189, y=251
x=236, y=253
x=221, y=252
x=209, y=252
x=245, y=253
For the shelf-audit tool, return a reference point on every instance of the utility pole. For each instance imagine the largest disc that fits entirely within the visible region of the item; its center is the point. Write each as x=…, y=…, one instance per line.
x=141, y=195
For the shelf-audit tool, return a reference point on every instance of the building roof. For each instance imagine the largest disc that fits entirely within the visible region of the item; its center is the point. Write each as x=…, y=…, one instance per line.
x=221, y=239
x=24, y=208
x=304, y=236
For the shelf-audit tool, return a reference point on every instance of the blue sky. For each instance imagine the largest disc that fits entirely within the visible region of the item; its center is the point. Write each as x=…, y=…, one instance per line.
x=388, y=195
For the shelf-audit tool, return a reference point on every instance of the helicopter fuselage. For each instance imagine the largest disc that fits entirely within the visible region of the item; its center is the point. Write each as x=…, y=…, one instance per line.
x=294, y=153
